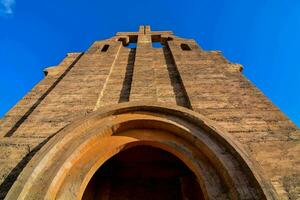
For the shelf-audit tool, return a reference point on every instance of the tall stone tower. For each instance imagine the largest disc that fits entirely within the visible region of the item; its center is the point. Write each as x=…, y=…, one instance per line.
x=174, y=122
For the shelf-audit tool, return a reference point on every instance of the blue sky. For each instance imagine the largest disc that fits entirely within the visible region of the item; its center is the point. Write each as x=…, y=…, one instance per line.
x=262, y=35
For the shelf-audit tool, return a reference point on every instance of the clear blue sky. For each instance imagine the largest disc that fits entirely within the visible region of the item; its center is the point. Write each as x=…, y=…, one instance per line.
x=262, y=35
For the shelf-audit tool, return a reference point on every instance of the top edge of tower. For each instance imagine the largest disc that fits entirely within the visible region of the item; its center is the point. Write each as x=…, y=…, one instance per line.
x=145, y=30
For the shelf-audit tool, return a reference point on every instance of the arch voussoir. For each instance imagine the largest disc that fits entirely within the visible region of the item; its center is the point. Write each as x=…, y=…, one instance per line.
x=69, y=160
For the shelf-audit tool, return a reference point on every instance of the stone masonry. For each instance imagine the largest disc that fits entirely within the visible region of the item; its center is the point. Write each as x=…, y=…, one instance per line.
x=179, y=73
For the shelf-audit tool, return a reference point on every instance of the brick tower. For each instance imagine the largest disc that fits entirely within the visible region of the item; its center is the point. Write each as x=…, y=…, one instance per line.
x=123, y=122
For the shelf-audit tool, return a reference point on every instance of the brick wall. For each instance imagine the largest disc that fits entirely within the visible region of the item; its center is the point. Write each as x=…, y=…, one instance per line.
x=203, y=81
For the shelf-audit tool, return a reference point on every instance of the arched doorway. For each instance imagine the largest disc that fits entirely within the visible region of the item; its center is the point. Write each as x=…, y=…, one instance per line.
x=143, y=172
x=68, y=164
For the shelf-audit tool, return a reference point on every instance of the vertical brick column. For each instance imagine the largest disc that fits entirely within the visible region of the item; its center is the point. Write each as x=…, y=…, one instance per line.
x=110, y=91
x=179, y=80
x=143, y=81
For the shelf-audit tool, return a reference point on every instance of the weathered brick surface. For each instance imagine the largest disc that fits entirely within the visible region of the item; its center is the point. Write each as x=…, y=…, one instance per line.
x=224, y=95
x=203, y=81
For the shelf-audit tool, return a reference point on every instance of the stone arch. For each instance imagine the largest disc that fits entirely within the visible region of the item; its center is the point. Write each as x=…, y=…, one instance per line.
x=65, y=165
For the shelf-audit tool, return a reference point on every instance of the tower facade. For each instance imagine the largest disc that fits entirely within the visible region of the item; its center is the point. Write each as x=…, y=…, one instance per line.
x=123, y=122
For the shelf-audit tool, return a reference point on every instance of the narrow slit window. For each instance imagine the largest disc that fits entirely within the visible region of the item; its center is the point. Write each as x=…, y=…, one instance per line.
x=131, y=45
x=185, y=47
x=105, y=48
x=157, y=45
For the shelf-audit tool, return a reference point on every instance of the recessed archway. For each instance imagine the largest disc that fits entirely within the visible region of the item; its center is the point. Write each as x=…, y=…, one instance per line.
x=143, y=172
x=68, y=162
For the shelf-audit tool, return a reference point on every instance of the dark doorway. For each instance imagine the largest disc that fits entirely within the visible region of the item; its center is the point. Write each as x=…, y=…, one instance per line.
x=143, y=172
